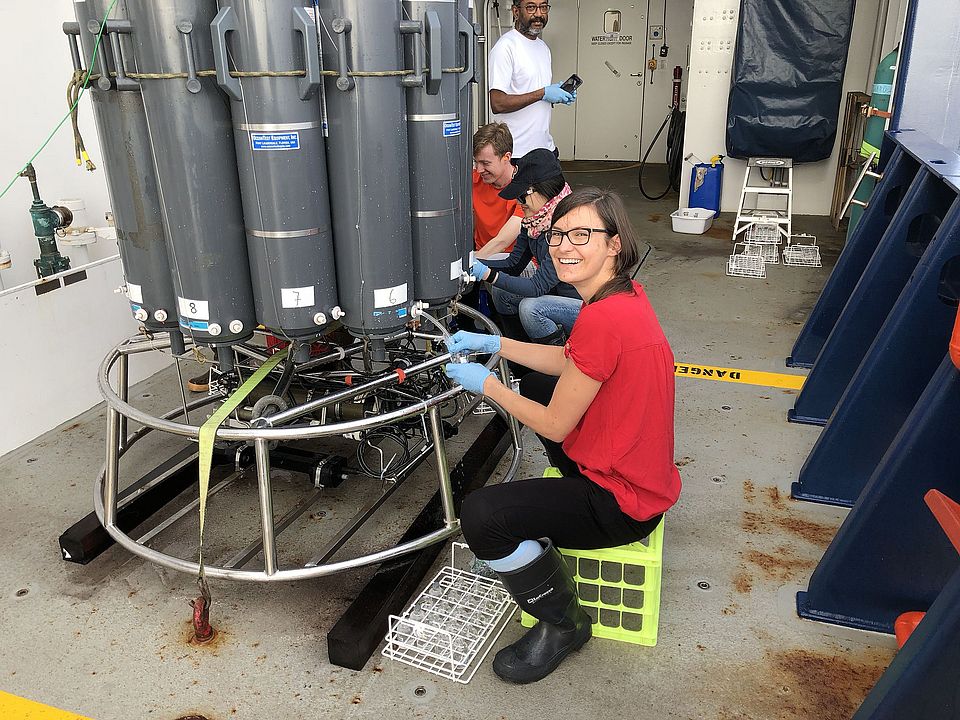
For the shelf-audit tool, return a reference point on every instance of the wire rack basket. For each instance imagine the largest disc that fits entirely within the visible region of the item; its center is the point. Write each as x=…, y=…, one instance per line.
x=761, y=233
x=770, y=253
x=802, y=251
x=743, y=264
x=452, y=625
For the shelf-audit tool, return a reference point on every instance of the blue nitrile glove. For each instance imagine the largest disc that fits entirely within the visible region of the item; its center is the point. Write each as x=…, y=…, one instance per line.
x=466, y=342
x=479, y=270
x=469, y=375
x=556, y=94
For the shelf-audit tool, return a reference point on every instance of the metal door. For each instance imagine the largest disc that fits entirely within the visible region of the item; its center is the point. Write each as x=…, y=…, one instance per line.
x=609, y=106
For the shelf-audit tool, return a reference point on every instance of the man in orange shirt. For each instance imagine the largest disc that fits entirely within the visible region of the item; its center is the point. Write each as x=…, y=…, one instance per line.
x=496, y=222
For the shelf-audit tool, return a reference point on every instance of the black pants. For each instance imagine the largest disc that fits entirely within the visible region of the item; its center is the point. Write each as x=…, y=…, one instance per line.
x=572, y=510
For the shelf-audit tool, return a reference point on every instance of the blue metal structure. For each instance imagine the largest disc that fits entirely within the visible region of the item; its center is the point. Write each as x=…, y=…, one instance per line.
x=894, y=431
x=921, y=682
x=899, y=171
x=890, y=555
x=905, y=241
x=893, y=373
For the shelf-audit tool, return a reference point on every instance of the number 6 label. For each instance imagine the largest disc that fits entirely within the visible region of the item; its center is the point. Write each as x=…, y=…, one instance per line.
x=196, y=309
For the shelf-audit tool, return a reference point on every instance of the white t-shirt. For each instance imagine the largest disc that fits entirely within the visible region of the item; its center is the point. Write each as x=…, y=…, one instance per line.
x=519, y=65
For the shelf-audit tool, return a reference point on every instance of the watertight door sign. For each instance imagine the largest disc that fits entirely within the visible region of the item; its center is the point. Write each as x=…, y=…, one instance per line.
x=612, y=30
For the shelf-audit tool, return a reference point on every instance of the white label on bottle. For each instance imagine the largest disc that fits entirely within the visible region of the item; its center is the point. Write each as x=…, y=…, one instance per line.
x=296, y=297
x=135, y=293
x=196, y=309
x=388, y=297
x=456, y=269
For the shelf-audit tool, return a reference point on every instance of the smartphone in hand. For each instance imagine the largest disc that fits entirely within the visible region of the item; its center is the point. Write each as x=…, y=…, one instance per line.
x=571, y=83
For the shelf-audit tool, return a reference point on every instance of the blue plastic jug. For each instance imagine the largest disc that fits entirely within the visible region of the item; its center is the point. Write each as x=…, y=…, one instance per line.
x=706, y=183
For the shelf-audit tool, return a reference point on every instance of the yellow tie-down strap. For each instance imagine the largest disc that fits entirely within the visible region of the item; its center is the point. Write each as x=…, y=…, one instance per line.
x=208, y=432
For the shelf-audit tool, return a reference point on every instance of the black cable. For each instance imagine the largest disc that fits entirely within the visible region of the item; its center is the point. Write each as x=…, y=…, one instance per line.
x=677, y=119
x=382, y=433
x=663, y=38
x=286, y=377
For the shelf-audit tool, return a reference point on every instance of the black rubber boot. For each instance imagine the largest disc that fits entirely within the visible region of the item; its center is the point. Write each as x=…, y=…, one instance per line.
x=546, y=590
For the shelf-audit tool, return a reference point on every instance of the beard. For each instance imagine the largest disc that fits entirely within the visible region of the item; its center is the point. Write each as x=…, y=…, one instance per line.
x=531, y=27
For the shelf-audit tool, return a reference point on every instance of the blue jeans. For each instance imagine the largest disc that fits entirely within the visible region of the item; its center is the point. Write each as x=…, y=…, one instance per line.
x=541, y=316
x=545, y=315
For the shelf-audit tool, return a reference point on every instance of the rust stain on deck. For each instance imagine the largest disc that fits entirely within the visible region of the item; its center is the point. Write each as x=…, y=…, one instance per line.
x=742, y=582
x=777, y=515
x=783, y=565
x=801, y=684
x=774, y=498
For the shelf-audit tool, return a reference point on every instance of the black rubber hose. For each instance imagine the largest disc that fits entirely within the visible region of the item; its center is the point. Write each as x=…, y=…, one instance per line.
x=677, y=120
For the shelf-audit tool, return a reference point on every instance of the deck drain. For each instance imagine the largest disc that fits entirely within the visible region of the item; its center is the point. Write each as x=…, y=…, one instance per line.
x=726, y=408
x=703, y=585
x=193, y=717
x=717, y=479
x=419, y=691
x=22, y=591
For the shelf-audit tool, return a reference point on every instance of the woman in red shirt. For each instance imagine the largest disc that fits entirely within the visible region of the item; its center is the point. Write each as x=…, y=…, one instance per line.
x=603, y=407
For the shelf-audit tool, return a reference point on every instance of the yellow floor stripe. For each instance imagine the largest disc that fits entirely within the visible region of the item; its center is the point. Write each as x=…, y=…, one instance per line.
x=736, y=375
x=13, y=707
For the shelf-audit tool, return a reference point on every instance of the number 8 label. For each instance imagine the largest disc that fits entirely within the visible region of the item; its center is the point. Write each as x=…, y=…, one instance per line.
x=195, y=309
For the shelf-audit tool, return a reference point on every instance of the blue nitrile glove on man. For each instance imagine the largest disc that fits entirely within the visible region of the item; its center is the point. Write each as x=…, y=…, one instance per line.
x=555, y=94
x=467, y=342
x=470, y=375
x=479, y=270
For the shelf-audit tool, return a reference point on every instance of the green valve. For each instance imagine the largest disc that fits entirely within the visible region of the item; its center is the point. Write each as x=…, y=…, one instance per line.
x=46, y=221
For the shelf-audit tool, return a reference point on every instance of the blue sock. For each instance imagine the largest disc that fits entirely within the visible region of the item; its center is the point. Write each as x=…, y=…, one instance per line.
x=526, y=553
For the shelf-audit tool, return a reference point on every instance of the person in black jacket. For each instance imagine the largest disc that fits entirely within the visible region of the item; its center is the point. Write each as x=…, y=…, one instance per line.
x=546, y=308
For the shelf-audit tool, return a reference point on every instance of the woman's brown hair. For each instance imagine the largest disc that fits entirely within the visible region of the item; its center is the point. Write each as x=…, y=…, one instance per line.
x=613, y=215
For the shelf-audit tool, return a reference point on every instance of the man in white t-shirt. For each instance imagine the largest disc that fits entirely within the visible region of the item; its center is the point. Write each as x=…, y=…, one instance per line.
x=521, y=89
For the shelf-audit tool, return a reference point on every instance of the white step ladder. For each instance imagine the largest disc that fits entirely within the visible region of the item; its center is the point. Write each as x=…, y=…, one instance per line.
x=766, y=202
x=866, y=170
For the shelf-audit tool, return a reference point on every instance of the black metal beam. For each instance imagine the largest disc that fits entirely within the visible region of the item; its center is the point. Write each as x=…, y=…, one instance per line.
x=361, y=628
x=86, y=539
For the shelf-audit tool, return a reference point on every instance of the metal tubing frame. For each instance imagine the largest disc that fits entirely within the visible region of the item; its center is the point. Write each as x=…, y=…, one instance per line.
x=106, y=486
x=123, y=383
x=446, y=491
x=265, y=491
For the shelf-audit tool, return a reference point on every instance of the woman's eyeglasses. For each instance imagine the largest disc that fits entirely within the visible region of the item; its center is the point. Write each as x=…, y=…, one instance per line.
x=576, y=236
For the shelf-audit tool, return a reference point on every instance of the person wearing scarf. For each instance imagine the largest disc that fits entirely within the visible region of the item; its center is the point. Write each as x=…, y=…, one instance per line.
x=539, y=307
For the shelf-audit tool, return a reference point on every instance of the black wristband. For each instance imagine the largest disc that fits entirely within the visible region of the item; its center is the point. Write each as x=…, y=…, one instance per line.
x=494, y=274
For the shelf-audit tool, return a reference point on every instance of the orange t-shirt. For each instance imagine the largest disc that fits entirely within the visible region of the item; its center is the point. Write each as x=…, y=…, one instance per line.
x=490, y=212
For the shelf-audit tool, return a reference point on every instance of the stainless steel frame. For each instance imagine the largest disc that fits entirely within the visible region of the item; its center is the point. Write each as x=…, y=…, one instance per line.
x=119, y=411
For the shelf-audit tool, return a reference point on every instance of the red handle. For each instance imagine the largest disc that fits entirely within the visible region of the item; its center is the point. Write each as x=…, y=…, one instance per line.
x=955, y=341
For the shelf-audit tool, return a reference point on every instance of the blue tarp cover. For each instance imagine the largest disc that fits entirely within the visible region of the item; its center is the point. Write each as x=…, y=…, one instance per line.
x=787, y=80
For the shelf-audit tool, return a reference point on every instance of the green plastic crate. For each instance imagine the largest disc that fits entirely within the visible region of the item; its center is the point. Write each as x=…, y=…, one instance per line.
x=619, y=587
